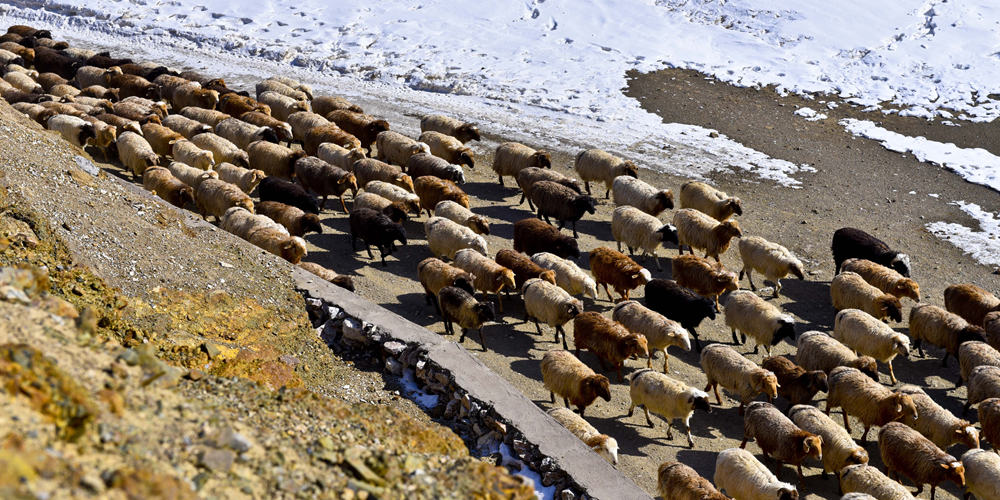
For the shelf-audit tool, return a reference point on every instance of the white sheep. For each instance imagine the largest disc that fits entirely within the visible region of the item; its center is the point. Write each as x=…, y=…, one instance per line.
x=637, y=229
x=569, y=276
x=602, y=444
x=75, y=130
x=339, y=156
x=190, y=175
x=770, y=259
x=711, y=201
x=983, y=383
x=839, y=449
x=461, y=215
x=884, y=278
x=304, y=121
x=185, y=126
x=222, y=149
x=393, y=192
x=190, y=154
x=512, y=157
x=242, y=222
x=209, y=117
x=294, y=84
x=754, y=316
x=866, y=479
x=281, y=105
x=816, y=350
x=596, y=165
x=273, y=85
x=973, y=354
x=726, y=367
x=740, y=475
x=870, y=337
x=659, y=331
x=549, y=304
x=938, y=424
x=135, y=153
x=245, y=178
x=982, y=474
x=850, y=291
x=242, y=133
x=634, y=192
x=396, y=148
x=445, y=238
x=668, y=398
x=697, y=230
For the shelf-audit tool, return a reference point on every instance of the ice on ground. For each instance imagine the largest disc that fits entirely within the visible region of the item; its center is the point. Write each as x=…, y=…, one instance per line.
x=510, y=461
x=974, y=165
x=423, y=399
x=810, y=114
x=982, y=244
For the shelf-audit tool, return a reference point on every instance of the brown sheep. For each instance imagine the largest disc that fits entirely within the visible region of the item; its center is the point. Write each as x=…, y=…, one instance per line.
x=973, y=354
x=324, y=104
x=214, y=197
x=282, y=130
x=866, y=399
x=235, y=105
x=341, y=280
x=677, y=481
x=575, y=382
x=524, y=268
x=161, y=138
x=328, y=133
x=608, y=340
x=512, y=157
x=983, y=384
x=617, y=269
x=449, y=148
x=323, y=179
x=433, y=190
x=370, y=169
x=795, y=384
x=133, y=85
x=192, y=94
x=989, y=419
x=886, y=279
x=704, y=277
x=365, y=127
x=459, y=306
x=458, y=129
x=698, y=230
x=290, y=248
x=970, y=302
x=905, y=452
x=941, y=328
x=779, y=437
x=295, y=220
x=435, y=274
x=162, y=183
x=991, y=325
x=532, y=236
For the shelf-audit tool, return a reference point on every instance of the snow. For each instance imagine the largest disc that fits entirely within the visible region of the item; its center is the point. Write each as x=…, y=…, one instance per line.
x=973, y=164
x=810, y=114
x=413, y=392
x=983, y=244
x=512, y=462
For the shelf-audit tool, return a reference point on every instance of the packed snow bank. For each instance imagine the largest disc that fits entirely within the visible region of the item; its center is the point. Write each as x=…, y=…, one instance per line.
x=983, y=244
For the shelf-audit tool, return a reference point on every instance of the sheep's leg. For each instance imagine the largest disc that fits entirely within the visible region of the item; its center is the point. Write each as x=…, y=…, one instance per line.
x=717, y=304
x=920, y=347
x=933, y=487
x=582, y=409
x=566, y=403
x=552, y=397
x=742, y=408
x=538, y=327
x=892, y=374
x=687, y=430
x=461, y=339
x=586, y=184
x=801, y=477
x=649, y=421
x=656, y=259
x=959, y=382
x=499, y=301
x=743, y=444
x=920, y=489
x=777, y=288
x=735, y=340
x=322, y=206
x=715, y=387
x=607, y=194
x=368, y=248
x=522, y=199
x=575, y=234
x=666, y=362
x=619, y=246
x=620, y=378
x=749, y=278
x=944, y=360
x=354, y=247
x=864, y=435
x=482, y=340
x=697, y=343
x=342, y=204
x=563, y=333
x=631, y=409
x=500, y=180
x=608, y=292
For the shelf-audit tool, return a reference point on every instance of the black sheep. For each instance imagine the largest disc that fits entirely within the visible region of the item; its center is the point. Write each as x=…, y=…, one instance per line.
x=556, y=200
x=54, y=61
x=375, y=229
x=849, y=242
x=103, y=61
x=460, y=306
x=324, y=179
x=532, y=236
x=679, y=304
x=289, y=193
x=422, y=164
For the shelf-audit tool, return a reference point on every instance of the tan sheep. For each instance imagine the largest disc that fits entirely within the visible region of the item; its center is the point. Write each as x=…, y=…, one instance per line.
x=135, y=153
x=982, y=474
x=850, y=291
x=628, y=191
x=445, y=238
x=162, y=183
x=435, y=274
x=512, y=157
x=906, y=453
x=761, y=320
x=941, y=328
x=839, y=449
x=324, y=104
x=668, y=398
x=677, y=481
x=870, y=337
x=726, y=367
x=169, y=84
x=607, y=339
x=222, y=149
x=342, y=280
x=209, y=117
x=991, y=325
x=659, y=331
x=871, y=402
x=740, y=475
x=549, y=304
x=639, y=230
x=296, y=85
x=448, y=148
x=304, y=121
x=339, y=156
x=973, y=354
x=294, y=219
x=273, y=159
x=395, y=193
x=365, y=127
x=884, y=278
x=161, y=138
x=432, y=191
x=246, y=179
x=864, y=478
x=970, y=302
x=214, y=197
x=575, y=382
x=458, y=129
x=770, y=259
x=457, y=213
x=370, y=169
x=282, y=105
x=242, y=222
x=569, y=276
x=490, y=276
x=191, y=94
x=596, y=165
x=938, y=424
x=709, y=200
x=983, y=384
x=242, y=133
x=271, y=85
x=697, y=230
x=23, y=82
x=190, y=154
x=779, y=437
x=602, y=444
x=190, y=175
x=329, y=133
x=396, y=148
x=185, y=126
x=819, y=351
x=282, y=130
x=290, y=248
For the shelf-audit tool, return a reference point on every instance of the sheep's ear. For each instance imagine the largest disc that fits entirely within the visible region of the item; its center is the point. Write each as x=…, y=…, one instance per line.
x=899, y=408
x=805, y=445
x=945, y=466
x=634, y=276
x=691, y=399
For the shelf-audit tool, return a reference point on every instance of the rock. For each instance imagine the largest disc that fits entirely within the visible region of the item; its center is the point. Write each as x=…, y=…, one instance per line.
x=211, y=349
x=567, y=495
x=129, y=356
x=550, y=478
x=394, y=348
x=354, y=458
x=713, y=134
x=195, y=374
x=92, y=483
x=394, y=367
x=353, y=331
x=335, y=312
x=86, y=165
x=233, y=440
x=486, y=439
x=217, y=460
x=326, y=442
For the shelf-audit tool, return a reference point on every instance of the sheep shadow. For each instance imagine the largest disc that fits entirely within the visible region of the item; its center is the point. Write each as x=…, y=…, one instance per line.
x=414, y=307
x=702, y=461
x=491, y=190
x=810, y=302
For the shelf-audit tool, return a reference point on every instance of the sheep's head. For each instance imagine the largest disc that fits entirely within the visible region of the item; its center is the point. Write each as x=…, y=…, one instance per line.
x=907, y=288
x=404, y=181
x=729, y=229
x=566, y=247
x=812, y=446
x=632, y=170
x=858, y=456
x=344, y=282
x=726, y=281
x=664, y=200
x=293, y=249
x=467, y=157
x=903, y=408
x=596, y=386
x=733, y=206
x=788, y=494
x=698, y=400
x=541, y=159
x=818, y=381
x=185, y=195
x=668, y=234
x=550, y=276
x=464, y=282
x=889, y=307
x=796, y=269
x=395, y=213
x=483, y=312
x=350, y=182
x=247, y=203
x=963, y=432
x=467, y=132
x=311, y=224
x=955, y=472
x=605, y=446
x=901, y=264
x=505, y=280
x=764, y=381
x=105, y=135
x=637, y=345
x=785, y=330
x=377, y=126
x=266, y=134
x=85, y=134
x=479, y=225
x=901, y=344
x=573, y=309
x=397, y=233
x=584, y=203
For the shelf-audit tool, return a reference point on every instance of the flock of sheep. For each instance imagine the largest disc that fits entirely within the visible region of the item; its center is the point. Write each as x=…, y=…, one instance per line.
x=223, y=145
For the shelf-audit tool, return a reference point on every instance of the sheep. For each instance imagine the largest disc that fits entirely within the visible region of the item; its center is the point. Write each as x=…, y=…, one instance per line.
x=461, y=215
x=64, y=91
x=13, y=96
x=991, y=325
x=883, y=278
x=865, y=479
x=135, y=153
x=149, y=106
x=839, y=450
x=607, y=339
x=659, y=331
x=365, y=127
x=490, y=276
x=103, y=60
x=849, y=242
x=532, y=236
x=376, y=229
x=522, y=265
x=274, y=189
x=246, y=179
x=328, y=133
x=795, y=384
x=161, y=138
x=282, y=105
x=704, y=277
x=304, y=121
x=638, y=229
x=209, y=117
x=99, y=92
x=323, y=179
x=23, y=82
x=448, y=148
x=512, y=157
x=597, y=165
x=628, y=191
x=561, y=202
x=191, y=94
x=242, y=133
x=778, y=437
x=850, y=291
x=753, y=316
x=870, y=337
x=568, y=275
x=28, y=31
x=169, y=85
x=104, y=135
x=222, y=149
x=393, y=209
x=709, y=200
x=529, y=176
x=905, y=452
x=87, y=76
x=53, y=61
x=726, y=367
x=135, y=111
x=162, y=183
x=463, y=131
x=395, y=193
x=190, y=154
x=273, y=159
x=185, y=126
x=270, y=85
x=941, y=328
x=602, y=444
x=973, y=354
x=370, y=169
x=770, y=259
x=697, y=230
x=938, y=424
x=677, y=481
x=396, y=148
x=134, y=85
x=983, y=384
x=282, y=130
x=214, y=197
x=740, y=475
x=549, y=304
x=290, y=248
x=36, y=112
x=819, y=351
x=459, y=306
x=324, y=104
x=982, y=474
x=294, y=219
x=445, y=238
x=575, y=382
x=617, y=269
x=294, y=84
x=432, y=190
x=339, y=156
x=341, y=280
x=242, y=222
x=989, y=420
x=122, y=124
x=435, y=274
x=422, y=164
x=668, y=398
x=190, y=175
x=679, y=304
x=75, y=130
x=970, y=302
x=872, y=403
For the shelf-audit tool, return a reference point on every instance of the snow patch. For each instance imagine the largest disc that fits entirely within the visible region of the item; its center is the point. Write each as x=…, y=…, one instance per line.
x=533, y=478
x=423, y=399
x=810, y=114
x=983, y=244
